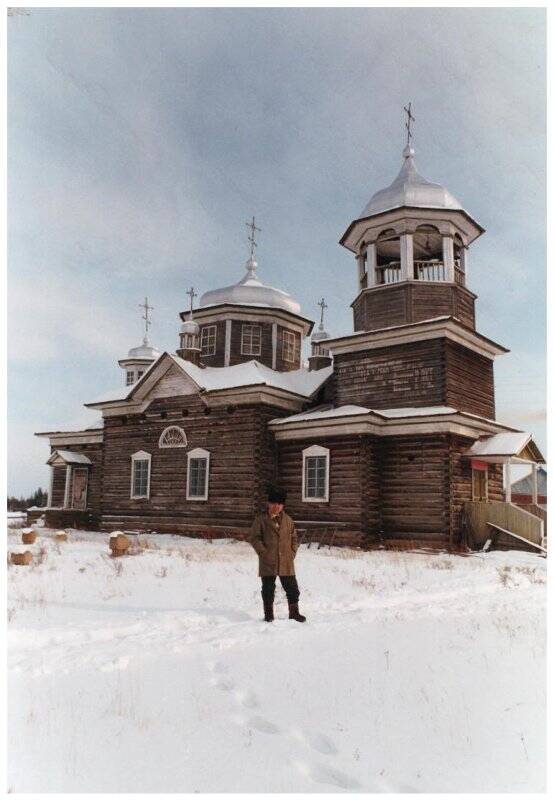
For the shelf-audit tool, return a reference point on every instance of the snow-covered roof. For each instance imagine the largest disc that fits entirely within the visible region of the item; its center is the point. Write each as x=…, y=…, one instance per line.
x=76, y=426
x=422, y=411
x=301, y=382
x=251, y=373
x=504, y=445
x=325, y=413
x=70, y=457
x=352, y=410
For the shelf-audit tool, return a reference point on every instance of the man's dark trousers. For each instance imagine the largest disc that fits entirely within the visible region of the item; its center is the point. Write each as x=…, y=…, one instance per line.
x=289, y=584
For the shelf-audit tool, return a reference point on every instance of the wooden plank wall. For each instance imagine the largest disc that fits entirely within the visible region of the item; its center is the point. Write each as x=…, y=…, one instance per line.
x=412, y=302
x=469, y=380
x=392, y=377
x=58, y=486
x=218, y=358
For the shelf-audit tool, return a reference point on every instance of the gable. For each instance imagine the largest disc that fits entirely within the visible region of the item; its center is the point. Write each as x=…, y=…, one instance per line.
x=173, y=383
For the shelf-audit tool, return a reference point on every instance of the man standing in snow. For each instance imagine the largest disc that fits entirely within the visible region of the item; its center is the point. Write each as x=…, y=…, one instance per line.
x=273, y=537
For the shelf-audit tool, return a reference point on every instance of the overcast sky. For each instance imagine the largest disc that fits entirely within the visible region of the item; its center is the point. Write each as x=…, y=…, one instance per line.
x=140, y=140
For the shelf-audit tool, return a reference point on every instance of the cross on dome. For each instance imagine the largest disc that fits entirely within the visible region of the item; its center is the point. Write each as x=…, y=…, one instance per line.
x=146, y=318
x=192, y=294
x=323, y=305
x=408, y=122
x=252, y=236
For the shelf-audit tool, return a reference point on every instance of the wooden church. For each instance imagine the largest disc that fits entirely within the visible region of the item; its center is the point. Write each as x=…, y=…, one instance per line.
x=387, y=433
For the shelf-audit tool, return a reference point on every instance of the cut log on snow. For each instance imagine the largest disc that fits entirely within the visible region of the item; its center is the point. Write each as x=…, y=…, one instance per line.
x=29, y=537
x=119, y=543
x=22, y=559
x=60, y=536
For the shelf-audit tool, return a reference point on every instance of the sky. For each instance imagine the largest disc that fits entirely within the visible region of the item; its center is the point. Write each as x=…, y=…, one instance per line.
x=141, y=140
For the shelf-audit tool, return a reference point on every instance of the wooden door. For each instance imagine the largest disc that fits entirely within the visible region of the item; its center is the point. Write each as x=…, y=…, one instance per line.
x=80, y=486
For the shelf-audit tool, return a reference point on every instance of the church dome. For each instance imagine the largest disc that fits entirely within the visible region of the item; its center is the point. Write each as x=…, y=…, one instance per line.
x=190, y=327
x=250, y=291
x=409, y=188
x=145, y=350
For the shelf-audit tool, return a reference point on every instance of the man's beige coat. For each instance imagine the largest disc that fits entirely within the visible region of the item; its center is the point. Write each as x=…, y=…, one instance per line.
x=275, y=541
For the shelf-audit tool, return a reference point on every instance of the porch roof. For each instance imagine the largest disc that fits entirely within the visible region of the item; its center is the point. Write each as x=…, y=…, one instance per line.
x=513, y=447
x=69, y=457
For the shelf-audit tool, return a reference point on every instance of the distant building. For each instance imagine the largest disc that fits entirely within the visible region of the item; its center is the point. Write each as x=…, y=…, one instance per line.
x=387, y=433
x=522, y=490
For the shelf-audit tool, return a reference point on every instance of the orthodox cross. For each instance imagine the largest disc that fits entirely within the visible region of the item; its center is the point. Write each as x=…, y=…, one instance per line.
x=323, y=306
x=409, y=121
x=252, y=237
x=192, y=294
x=146, y=317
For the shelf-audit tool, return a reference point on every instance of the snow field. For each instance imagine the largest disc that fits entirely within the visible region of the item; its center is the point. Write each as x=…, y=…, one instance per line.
x=154, y=672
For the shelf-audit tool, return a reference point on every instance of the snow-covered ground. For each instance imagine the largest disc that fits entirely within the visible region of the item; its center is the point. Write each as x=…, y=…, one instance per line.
x=155, y=672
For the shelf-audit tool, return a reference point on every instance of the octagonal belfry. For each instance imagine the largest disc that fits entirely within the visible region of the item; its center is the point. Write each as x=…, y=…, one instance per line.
x=411, y=243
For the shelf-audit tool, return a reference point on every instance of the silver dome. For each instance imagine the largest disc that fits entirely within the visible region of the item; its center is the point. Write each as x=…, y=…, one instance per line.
x=409, y=188
x=190, y=326
x=144, y=351
x=250, y=291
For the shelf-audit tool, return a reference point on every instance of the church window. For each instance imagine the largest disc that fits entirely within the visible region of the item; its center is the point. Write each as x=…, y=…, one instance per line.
x=140, y=474
x=173, y=437
x=198, y=474
x=207, y=340
x=130, y=377
x=291, y=346
x=315, y=474
x=251, y=341
x=140, y=373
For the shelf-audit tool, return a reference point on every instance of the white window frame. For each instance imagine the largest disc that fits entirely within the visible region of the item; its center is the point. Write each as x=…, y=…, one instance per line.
x=198, y=452
x=130, y=377
x=163, y=445
x=209, y=333
x=140, y=455
x=289, y=346
x=316, y=450
x=248, y=349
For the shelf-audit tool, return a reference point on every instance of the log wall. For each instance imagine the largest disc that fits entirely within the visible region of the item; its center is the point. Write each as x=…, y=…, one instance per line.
x=218, y=358
x=469, y=380
x=412, y=302
x=241, y=464
x=392, y=377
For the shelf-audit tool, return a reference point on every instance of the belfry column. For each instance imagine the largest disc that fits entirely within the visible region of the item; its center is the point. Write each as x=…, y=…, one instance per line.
x=361, y=270
x=371, y=264
x=448, y=257
x=407, y=257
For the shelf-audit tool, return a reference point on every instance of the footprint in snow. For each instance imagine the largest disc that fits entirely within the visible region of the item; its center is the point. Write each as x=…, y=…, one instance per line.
x=317, y=741
x=330, y=776
x=225, y=684
x=247, y=698
x=119, y=663
x=263, y=725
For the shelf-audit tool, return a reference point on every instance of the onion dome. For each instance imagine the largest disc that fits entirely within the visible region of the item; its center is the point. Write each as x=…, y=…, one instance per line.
x=409, y=188
x=191, y=327
x=144, y=351
x=250, y=291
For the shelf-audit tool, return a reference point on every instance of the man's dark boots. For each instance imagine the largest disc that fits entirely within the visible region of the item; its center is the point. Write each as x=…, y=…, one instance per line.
x=294, y=613
x=268, y=610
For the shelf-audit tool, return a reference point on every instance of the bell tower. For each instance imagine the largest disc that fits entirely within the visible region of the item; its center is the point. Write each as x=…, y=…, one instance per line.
x=411, y=246
x=415, y=343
